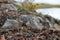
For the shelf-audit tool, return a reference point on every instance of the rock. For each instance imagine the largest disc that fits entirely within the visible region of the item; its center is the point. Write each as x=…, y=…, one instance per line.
x=57, y=27
x=48, y=24
x=32, y=21
x=25, y=18
x=8, y=6
x=37, y=22
x=10, y=23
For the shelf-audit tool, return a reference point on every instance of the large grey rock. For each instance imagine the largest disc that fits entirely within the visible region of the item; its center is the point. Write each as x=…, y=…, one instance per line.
x=10, y=23
x=35, y=22
x=8, y=6
x=39, y=22
x=32, y=21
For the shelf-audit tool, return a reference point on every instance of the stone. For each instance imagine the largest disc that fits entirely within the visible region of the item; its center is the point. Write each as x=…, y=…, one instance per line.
x=8, y=6
x=32, y=21
x=10, y=23
x=37, y=22
x=57, y=27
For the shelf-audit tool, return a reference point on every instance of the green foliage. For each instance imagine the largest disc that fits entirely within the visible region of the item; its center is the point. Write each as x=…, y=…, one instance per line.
x=22, y=8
